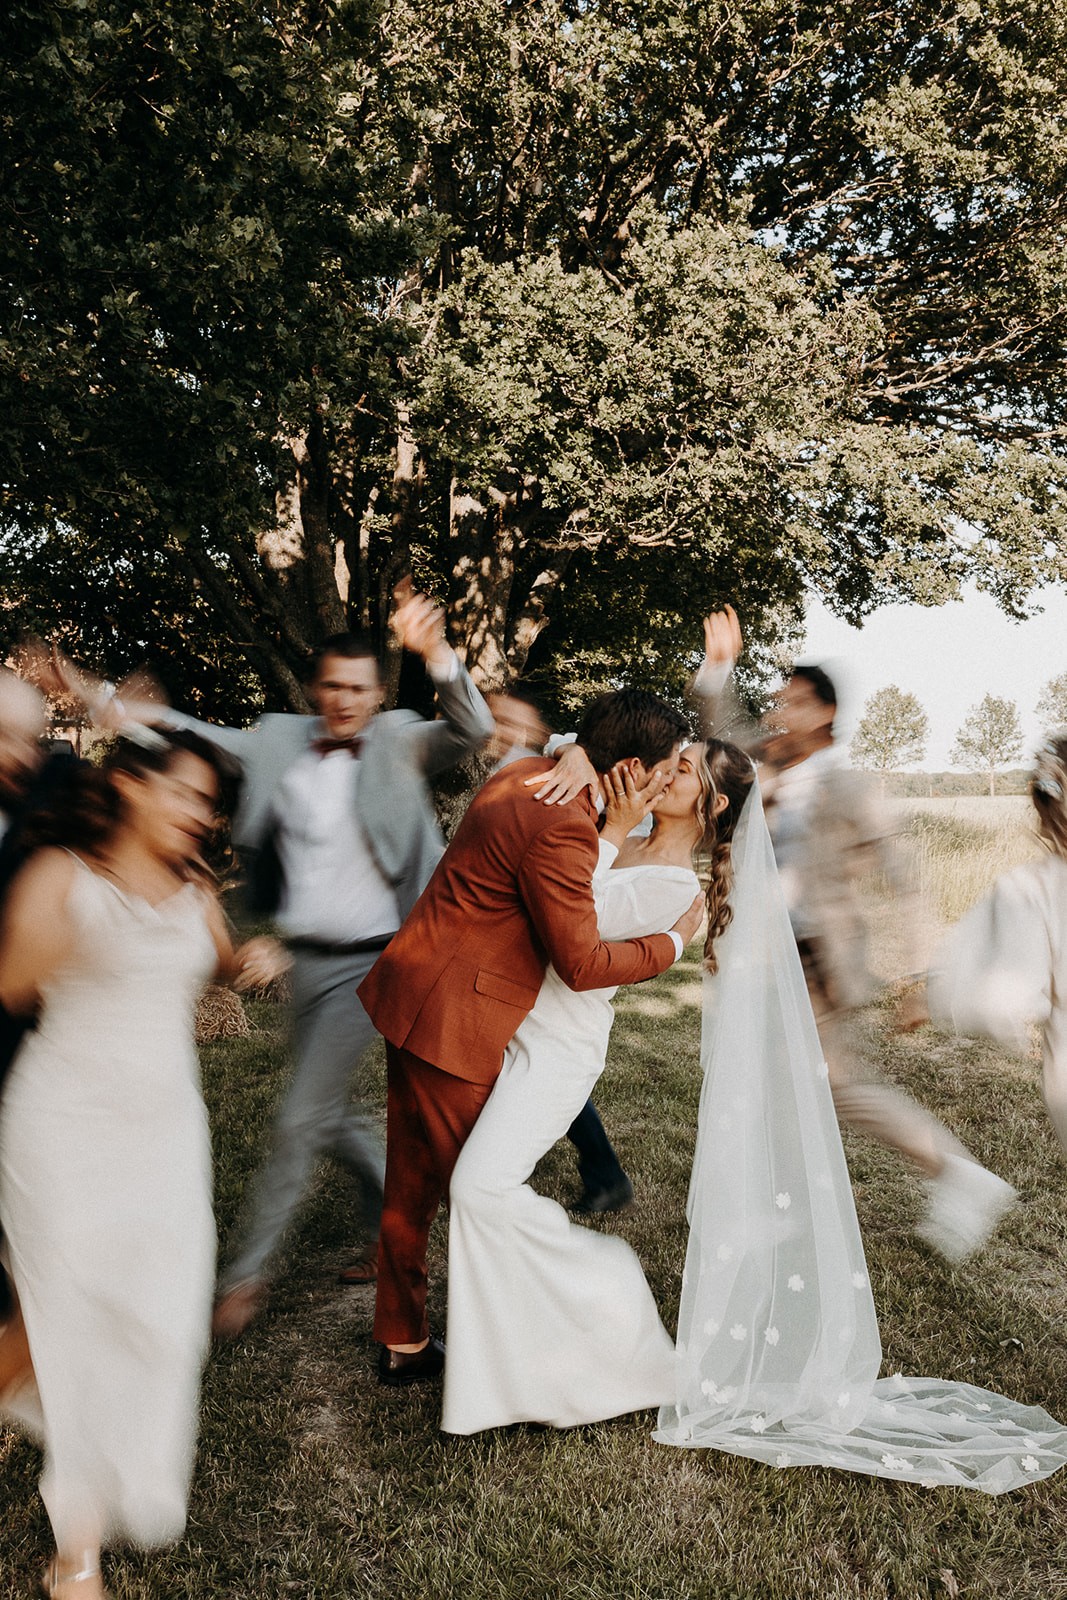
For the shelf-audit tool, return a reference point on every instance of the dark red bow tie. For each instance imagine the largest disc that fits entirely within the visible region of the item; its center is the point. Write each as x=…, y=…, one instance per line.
x=326, y=746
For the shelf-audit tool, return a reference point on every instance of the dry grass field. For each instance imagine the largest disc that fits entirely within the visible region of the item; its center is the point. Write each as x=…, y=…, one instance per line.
x=958, y=846
x=314, y=1483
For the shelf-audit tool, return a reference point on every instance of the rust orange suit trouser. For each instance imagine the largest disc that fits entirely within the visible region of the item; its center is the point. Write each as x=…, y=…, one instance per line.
x=429, y=1115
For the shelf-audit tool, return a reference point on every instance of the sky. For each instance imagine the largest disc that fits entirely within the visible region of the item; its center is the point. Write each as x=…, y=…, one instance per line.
x=949, y=656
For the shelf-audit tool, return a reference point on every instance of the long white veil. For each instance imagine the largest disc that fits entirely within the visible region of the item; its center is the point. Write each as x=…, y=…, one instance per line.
x=778, y=1347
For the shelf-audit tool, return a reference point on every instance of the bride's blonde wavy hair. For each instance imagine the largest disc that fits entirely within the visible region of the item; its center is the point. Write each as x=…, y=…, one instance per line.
x=723, y=769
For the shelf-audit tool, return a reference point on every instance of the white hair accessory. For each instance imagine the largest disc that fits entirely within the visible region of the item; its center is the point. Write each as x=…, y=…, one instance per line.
x=145, y=737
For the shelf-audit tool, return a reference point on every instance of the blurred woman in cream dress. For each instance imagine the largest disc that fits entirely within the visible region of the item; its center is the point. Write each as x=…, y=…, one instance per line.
x=105, y=1159
x=1003, y=967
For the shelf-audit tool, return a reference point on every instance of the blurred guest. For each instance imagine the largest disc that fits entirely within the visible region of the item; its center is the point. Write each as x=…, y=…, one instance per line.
x=337, y=825
x=1004, y=966
x=28, y=774
x=519, y=729
x=105, y=1166
x=829, y=832
x=22, y=762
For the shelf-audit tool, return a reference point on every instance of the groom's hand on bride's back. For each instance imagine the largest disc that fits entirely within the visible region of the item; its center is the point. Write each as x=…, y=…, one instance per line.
x=689, y=922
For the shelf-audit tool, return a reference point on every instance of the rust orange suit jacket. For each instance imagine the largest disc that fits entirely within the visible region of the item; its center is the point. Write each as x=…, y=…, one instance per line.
x=512, y=893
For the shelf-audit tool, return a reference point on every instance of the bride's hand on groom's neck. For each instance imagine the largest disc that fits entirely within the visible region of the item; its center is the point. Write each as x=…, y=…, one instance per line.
x=627, y=803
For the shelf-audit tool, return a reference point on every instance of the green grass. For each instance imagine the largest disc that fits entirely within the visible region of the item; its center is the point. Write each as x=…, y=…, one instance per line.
x=312, y=1481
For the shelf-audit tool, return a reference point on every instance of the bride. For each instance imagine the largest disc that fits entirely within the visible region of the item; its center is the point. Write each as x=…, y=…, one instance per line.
x=547, y=1321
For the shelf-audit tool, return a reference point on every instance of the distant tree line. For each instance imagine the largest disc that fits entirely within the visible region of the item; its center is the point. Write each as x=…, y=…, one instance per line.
x=894, y=729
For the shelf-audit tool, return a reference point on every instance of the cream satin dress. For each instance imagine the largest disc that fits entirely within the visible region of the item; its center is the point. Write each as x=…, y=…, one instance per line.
x=105, y=1194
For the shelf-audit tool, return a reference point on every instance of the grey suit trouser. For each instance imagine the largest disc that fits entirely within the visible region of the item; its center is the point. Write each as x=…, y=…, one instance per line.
x=319, y=1115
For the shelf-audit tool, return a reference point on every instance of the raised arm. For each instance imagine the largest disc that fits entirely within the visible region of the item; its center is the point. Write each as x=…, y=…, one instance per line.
x=710, y=691
x=466, y=723
x=138, y=700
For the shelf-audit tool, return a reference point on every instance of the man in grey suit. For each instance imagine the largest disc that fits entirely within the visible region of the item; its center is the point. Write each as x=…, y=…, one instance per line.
x=337, y=824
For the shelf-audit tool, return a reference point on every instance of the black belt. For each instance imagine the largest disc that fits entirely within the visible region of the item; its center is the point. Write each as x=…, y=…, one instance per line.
x=354, y=947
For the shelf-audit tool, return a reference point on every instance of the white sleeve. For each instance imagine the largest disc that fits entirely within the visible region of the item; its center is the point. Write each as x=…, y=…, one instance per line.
x=605, y=861
x=993, y=974
x=635, y=905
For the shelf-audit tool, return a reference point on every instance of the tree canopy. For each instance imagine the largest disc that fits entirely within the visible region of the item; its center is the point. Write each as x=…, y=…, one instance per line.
x=593, y=315
x=989, y=738
x=892, y=732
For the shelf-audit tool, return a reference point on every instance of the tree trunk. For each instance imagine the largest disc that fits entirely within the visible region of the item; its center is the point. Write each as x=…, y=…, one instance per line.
x=403, y=521
x=482, y=576
x=499, y=600
x=319, y=546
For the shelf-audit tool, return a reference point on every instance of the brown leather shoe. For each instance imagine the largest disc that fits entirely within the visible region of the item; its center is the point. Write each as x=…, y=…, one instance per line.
x=364, y=1270
x=237, y=1308
x=398, y=1367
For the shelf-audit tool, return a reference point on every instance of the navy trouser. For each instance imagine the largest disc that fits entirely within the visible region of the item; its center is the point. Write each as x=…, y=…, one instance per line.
x=598, y=1165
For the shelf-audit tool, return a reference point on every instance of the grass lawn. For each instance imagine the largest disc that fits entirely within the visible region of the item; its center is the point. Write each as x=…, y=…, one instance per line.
x=313, y=1481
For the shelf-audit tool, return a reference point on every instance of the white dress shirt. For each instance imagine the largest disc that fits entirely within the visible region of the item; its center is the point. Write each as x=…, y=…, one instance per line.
x=334, y=890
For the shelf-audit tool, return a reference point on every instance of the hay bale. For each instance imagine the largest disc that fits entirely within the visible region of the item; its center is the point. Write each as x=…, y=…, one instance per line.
x=220, y=1015
x=278, y=992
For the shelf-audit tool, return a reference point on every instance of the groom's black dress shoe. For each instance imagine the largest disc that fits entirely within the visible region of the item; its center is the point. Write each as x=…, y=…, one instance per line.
x=395, y=1367
x=617, y=1198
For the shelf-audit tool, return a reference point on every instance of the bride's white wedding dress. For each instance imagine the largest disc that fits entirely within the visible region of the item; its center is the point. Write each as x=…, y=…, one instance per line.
x=105, y=1192
x=778, y=1346
x=548, y=1321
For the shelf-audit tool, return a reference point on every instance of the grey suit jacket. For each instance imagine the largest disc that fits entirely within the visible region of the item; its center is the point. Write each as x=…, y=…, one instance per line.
x=401, y=751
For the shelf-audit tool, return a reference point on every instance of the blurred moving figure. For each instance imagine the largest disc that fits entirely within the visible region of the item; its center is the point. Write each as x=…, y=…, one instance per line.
x=105, y=1161
x=1004, y=966
x=28, y=774
x=519, y=729
x=829, y=831
x=337, y=823
x=22, y=756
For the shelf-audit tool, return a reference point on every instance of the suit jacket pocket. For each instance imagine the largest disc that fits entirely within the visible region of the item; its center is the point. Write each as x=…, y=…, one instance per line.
x=496, y=987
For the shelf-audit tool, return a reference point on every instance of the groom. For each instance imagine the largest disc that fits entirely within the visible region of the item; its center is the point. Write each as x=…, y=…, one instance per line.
x=512, y=894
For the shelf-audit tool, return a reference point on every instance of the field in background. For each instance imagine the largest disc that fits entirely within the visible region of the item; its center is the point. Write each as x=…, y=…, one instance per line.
x=958, y=846
x=316, y=1484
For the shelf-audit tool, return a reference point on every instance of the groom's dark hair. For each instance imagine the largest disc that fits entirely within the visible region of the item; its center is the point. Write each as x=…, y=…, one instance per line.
x=630, y=722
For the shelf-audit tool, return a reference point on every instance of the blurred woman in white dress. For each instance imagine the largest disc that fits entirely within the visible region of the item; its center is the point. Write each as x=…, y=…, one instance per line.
x=550, y=1322
x=1004, y=965
x=105, y=1161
